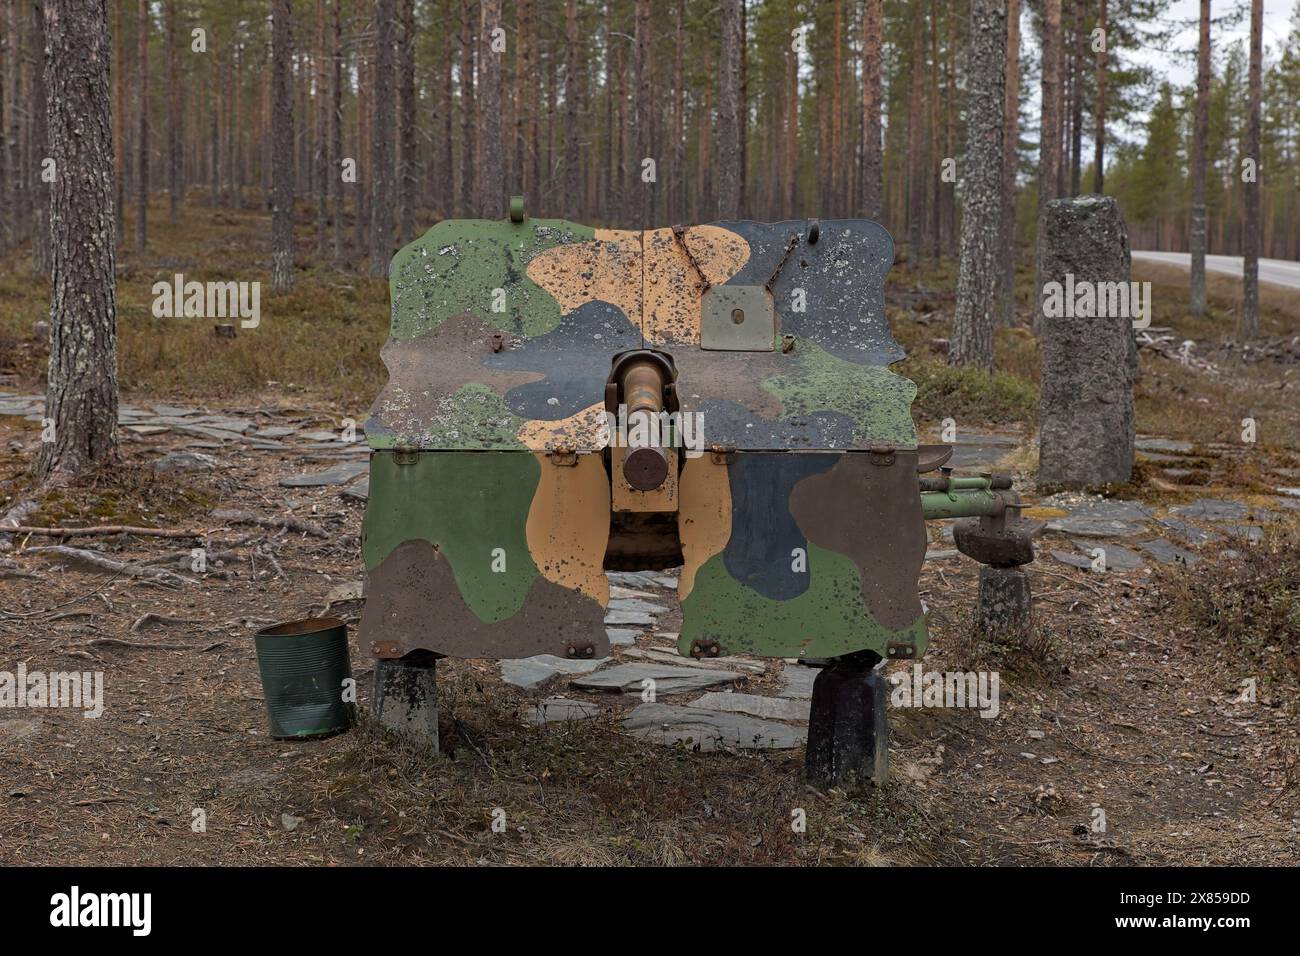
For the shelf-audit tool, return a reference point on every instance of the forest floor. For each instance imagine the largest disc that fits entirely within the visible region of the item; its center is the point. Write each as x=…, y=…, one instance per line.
x=1129, y=699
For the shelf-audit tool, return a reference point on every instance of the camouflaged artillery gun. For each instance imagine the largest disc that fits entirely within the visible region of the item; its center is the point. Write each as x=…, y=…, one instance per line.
x=508, y=473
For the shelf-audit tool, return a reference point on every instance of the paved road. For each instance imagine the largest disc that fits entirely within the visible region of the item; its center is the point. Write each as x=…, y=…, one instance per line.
x=1279, y=272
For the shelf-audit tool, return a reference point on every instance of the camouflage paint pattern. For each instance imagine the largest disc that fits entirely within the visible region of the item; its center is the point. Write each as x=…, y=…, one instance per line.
x=490, y=496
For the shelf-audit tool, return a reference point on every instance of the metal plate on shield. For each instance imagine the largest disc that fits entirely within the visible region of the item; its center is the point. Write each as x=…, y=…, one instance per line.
x=737, y=318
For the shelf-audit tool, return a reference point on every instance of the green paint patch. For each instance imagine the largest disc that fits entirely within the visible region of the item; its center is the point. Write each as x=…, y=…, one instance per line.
x=473, y=507
x=827, y=620
x=878, y=400
x=474, y=418
x=458, y=266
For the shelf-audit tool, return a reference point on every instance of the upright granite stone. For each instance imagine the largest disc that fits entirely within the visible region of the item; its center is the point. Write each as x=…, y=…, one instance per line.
x=1089, y=352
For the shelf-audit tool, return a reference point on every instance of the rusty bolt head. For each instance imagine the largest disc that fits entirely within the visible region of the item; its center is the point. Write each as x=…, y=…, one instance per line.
x=498, y=341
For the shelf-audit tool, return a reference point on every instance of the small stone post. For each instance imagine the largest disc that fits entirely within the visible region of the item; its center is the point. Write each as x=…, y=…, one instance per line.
x=1089, y=352
x=406, y=697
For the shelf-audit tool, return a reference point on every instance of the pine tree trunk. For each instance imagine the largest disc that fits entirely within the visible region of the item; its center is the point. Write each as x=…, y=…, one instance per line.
x=381, y=143
x=522, y=79
x=322, y=146
x=936, y=164
x=468, y=201
x=1049, y=147
x=1200, y=133
x=81, y=394
x=1099, y=134
x=174, y=93
x=142, y=162
x=282, y=154
x=1251, y=228
x=972, y=324
x=1010, y=164
x=572, y=185
x=40, y=150
x=728, y=181
x=492, y=182
x=645, y=192
x=334, y=169
x=916, y=180
x=792, y=124
x=408, y=181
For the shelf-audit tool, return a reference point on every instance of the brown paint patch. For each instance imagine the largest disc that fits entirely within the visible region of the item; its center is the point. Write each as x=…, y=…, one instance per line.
x=414, y=603
x=871, y=514
x=587, y=430
x=568, y=525
x=425, y=370
x=673, y=284
x=606, y=269
x=704, y=517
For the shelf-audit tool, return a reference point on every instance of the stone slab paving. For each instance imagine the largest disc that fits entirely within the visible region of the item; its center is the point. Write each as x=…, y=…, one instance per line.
x=1166, y=552
x=668, y=678
x=530, y=672
x=664, y=656
x=560, y=709
x=798, y=681
x=1118, y=557
x=710, y=729
x=622, y=636
x=1098, y=517
x=756, y=705
x=339, y=474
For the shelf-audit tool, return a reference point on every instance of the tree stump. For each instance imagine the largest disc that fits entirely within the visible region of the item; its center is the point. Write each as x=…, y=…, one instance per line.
x=1089, y=352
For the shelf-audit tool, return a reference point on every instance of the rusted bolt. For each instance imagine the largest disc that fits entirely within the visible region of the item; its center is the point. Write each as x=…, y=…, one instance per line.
x=704, y=647
x=498, y=341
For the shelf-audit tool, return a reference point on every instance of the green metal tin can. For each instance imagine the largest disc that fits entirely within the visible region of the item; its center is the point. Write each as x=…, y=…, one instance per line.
x=305, y=673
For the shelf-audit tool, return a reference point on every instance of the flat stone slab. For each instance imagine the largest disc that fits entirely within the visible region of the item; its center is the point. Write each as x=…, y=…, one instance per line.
x=1190, y=532
x=186, y=461
x=147, y=429
x=275, y=431
x=1166, y=552
x=358, y=492
x=710, y=729
x=664, y=656
x=175, y=411
x=622, y=636
x=625, y=618
x=321, y=435
x=942, y=554
x=1118, y=558
x=798, y=681
x=668, y=678
x=529, y=672
x=1163, y=444
x=1213, y=509
x=1073, y=560
x=756, y=705
x=635, y=605
x=556, y=709
x=339, y=474
x=636, y=579
x=1097, y=518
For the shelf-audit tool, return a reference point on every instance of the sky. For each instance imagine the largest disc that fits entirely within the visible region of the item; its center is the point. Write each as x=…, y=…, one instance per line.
x=1177, y=61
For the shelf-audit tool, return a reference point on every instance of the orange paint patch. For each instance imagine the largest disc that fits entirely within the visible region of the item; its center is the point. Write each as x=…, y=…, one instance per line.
x=704, y=517
x=568, y=525
x=606, y=269
x=676, y=272
x=587, y=430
